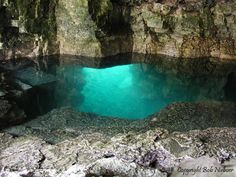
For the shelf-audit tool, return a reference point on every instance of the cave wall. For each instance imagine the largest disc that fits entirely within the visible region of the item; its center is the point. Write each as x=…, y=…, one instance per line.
x=28, y=28
x=98, y=28
x=76, y=29
x=179, y=28
x=187, y=28
x=93, y=28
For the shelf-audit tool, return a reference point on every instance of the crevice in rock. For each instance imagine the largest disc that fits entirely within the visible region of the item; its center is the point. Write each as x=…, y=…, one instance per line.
x=113, y=20
x=40, y=162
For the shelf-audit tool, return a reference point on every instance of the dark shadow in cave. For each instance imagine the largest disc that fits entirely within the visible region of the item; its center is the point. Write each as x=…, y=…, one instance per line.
x=230, y=87
x=8, y=33
x=25, y=90
x=113, y=20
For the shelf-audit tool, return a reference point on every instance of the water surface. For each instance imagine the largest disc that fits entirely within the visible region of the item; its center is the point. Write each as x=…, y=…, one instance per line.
x=131, y=91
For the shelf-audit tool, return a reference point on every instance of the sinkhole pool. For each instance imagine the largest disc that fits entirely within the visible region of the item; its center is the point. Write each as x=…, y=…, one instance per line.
x=132, y=91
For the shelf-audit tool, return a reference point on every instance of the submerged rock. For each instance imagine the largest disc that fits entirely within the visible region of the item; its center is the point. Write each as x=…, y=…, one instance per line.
x=2, y=93
x=23, y=86
x=34, y=77
x=10, y=113
x=200, y=115
x=63, y=123
x=4, y=107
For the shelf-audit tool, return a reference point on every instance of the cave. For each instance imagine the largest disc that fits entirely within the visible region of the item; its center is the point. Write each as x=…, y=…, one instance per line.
x=129, y=88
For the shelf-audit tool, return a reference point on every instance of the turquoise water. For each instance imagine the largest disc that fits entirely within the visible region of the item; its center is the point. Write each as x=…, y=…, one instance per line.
x=130, y=91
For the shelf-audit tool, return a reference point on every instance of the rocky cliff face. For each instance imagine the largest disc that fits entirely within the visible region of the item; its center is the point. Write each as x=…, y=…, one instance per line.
x=186, y=29
x=178, y=28
x=28, y=28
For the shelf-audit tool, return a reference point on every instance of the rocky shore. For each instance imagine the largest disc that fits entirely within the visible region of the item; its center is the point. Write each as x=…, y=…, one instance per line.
x=152, y=153
x=68, y=143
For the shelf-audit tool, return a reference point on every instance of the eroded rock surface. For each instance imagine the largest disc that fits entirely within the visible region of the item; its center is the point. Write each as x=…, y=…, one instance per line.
x=186, y=29
x=152, y=153
x=85, y=147
x=116, y=167
x=27, y=29
x=190, y=116
x=63, y=123
x=22, y=153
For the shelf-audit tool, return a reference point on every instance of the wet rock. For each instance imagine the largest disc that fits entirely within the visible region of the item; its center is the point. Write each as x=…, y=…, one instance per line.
x=5, y=140
x=190, y=116
x=34, y=77
x=60, y=124
x=10, y=113
x=63, y=123
x=4, y=107
x=1, y=93
x=23, y=86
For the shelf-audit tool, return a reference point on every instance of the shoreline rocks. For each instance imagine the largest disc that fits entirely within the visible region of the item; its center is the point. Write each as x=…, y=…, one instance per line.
x=63, y=150
x=65, y=123
x=133, y=154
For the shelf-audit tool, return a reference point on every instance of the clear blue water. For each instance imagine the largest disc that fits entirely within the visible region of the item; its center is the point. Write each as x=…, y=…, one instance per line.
x=130, y=91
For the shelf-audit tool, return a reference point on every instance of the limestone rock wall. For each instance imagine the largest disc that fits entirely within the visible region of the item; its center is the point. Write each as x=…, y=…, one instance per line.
x=93, y=28
x=179, y=28
x=76, y=29
x=97, y=28
x=188, y=28
x=28, y=28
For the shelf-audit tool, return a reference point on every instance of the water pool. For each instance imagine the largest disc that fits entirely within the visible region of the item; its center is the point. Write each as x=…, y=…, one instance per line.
x=131, y=91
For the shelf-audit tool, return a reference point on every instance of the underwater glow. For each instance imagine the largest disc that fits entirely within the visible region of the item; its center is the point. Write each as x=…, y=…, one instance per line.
x=130, y=91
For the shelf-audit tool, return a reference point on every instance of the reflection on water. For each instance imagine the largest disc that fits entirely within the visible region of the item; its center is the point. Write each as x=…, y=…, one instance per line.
x=131, y=91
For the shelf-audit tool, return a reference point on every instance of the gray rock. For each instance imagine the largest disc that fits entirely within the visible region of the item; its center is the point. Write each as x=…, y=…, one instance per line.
x=34, y=77
x=117, y=167
x=4, y=107
x=1, y=93
x=23, y=153
x=133, y=154
x=23, y=86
